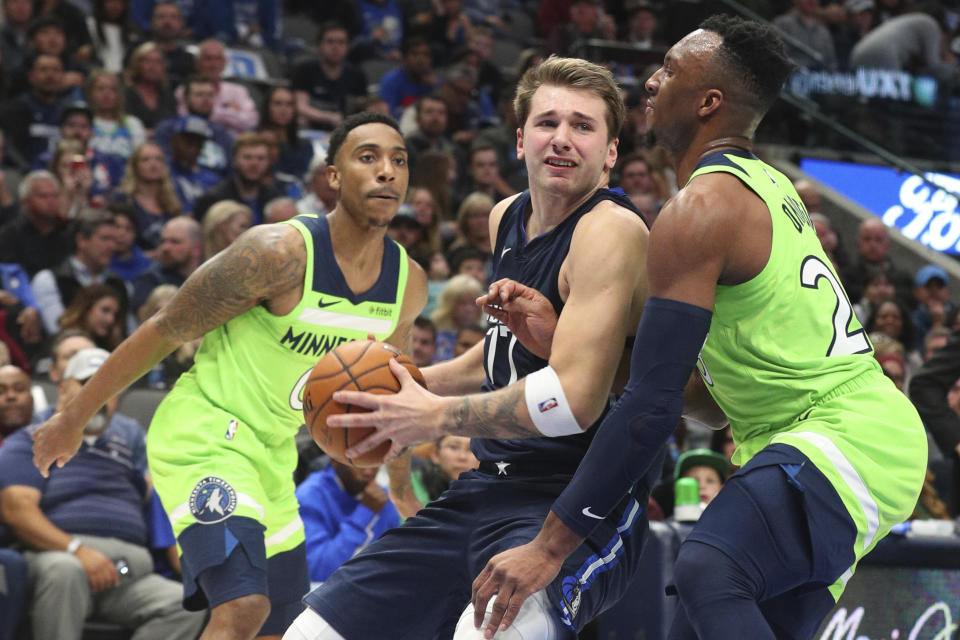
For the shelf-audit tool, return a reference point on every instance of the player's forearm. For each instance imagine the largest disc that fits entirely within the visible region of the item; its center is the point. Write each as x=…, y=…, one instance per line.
x=462, y=375
x=498, y=414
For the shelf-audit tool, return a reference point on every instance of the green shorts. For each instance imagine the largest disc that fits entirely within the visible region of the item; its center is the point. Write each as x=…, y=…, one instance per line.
x=208, y=466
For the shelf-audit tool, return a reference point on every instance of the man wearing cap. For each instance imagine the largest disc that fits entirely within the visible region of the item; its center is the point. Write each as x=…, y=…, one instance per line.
x=76, y=123
x=933, y=297
x=199, y=95
x=189, y=134
x=84, y=527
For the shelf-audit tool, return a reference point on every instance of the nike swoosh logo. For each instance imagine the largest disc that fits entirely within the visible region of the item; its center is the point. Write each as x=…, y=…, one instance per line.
x=504, y=252
x=590, y=514
x=321, y=304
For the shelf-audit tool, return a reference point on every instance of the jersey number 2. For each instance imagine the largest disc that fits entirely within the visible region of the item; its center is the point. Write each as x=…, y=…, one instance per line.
x=844, y=342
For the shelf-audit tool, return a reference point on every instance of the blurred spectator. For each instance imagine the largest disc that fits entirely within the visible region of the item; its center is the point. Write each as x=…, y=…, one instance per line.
x=910, y=42
x=165, y=27
x=473, y=224
x=147, y=89
x=148, y=189
x=381, y=29
x=280, y=115
x=405, y=85
x=13, y=32
x=246, y=23
x=483, y=175
x=288, y=184
x=894, y=368
x=404, y=229
x=858, y=22
x=479, y=53
x=933, y=297
x=430, y=132
x=62, y=347
x=324, y=86
x=873, y=247
x=835, y=250
x=436, y=172
x=69, y=164
x=165, y=374
x=223, y=224
x=37, y=238
x=188, y=135
x=100, y=311
x=425, y=211
x=76, y=123
x=343, y=11
x=892, y=319
x=449, y=457
x=803, y=24
x=110, y=32
x=279, y=209
x=641, y=27
x=128, y=259
x=877, y=289
x=56, y=288
x=232, y=106
x=199, y=95
x=721, y=441
x=250, y=181
x=503, y=138
x=456, y=308
x=73, y=22
x=86, y=529
x=114, y=131
x=16, y=403
x=467, y=337
x=46, y=35
x=467, y=111
x=30, y=119
x=181, y=251
x=322, y=198
x=343, y=510
x=470, y=261
x=936, y=339
x=569, y=38
x=637, y=178
x=707, y=467
x=21, y=329
x=448, y=28
x=423, y=337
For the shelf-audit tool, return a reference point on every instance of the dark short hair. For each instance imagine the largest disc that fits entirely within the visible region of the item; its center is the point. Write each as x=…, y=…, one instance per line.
x=192, y=80
x=433, y=97
x=460, y=255
x=756, y=54
x=349, y=124
x=412, y=42
x=331, y=25
x=426, y=323
x=89, y=220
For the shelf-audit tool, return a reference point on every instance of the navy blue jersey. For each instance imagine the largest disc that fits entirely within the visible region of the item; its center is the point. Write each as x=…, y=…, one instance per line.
x=535, y=263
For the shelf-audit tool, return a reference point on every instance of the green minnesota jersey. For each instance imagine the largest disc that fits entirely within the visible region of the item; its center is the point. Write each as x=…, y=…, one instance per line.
x=256, y=365
x=781, y=342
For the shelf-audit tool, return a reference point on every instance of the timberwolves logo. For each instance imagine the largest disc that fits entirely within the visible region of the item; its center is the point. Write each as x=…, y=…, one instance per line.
x=212, y=500
x=571, y=595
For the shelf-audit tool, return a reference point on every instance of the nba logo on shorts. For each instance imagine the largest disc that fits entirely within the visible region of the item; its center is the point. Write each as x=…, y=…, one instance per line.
x=547, y=404
x=231, y=430
x=571, y=590
x=212, y=500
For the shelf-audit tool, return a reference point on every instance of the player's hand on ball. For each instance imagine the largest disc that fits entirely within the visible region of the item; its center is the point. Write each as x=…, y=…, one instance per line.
x=407, y=417
x=526, y=312
x=511, y=576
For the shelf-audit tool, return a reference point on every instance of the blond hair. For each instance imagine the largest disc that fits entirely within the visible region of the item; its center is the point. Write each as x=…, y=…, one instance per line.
x=215, y=218
x=132, y=73
x=572, y=73
x=167, y=195
x=456, y=287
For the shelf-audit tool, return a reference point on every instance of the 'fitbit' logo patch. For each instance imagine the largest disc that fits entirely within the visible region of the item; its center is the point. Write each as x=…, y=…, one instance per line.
x=212, y=500
x=548, y=404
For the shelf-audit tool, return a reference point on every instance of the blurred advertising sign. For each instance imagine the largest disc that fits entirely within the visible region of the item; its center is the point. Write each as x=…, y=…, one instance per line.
x=883, y=84
x=904, y=201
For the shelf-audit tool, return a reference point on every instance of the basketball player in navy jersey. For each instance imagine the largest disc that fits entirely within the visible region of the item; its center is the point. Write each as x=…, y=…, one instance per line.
x=584, y=248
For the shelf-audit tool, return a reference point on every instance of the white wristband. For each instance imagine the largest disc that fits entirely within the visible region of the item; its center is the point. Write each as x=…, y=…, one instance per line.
x=548, y=406
x=73, y=545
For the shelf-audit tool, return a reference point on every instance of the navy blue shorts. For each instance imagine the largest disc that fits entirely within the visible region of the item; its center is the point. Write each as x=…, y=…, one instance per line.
x=784, y=524
x=415, y=581
x=227, y=560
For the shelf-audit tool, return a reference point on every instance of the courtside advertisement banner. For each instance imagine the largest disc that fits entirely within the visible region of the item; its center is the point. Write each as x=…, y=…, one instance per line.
x=896, y=603
x=919, y=210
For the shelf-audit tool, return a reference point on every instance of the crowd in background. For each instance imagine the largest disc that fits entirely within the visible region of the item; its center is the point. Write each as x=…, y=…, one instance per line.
x=131, y=154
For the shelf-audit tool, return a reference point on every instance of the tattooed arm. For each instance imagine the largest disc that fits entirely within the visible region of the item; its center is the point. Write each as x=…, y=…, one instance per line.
x=605, y=277
x=263, y=266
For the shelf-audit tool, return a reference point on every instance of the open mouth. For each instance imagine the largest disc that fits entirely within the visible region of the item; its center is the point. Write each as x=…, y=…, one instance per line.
x=561, y=163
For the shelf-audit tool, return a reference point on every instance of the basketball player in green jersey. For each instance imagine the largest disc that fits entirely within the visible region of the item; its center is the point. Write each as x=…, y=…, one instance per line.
x=220, y=447
x=832, y=454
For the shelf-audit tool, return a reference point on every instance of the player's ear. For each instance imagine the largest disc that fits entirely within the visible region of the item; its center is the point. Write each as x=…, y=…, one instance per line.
x=519, y=143
x=712, y=100
x=612, y=154
x=333, y=177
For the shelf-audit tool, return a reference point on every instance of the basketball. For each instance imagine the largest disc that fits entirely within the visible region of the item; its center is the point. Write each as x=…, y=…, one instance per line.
x=362, y=365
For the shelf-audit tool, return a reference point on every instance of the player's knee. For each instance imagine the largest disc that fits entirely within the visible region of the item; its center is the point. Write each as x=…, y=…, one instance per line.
x=241, y=617
x=310, y=625
x=703, y=569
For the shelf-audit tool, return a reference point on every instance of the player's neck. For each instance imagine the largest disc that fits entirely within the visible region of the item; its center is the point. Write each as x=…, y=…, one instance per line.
x=549, y=208
x=700, y=148
x=357, y=248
